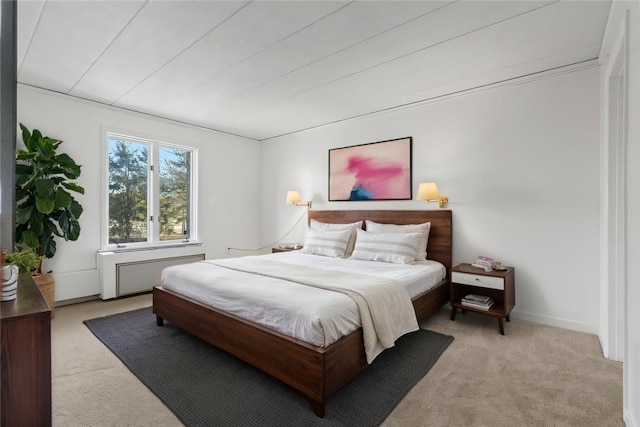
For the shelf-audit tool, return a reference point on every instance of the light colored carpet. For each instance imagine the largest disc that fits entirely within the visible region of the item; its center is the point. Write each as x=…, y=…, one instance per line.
x=535, y=375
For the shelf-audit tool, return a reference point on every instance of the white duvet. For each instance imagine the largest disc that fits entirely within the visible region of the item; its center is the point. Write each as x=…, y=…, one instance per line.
x=309, y=313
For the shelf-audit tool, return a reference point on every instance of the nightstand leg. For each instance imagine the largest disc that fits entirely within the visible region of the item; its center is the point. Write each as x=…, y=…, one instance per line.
x=501, y=325
x=508, y=318
x=453, y=313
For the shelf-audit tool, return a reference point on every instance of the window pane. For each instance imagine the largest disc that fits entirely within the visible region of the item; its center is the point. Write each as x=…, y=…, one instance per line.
x=128, y=178
x=175, y=178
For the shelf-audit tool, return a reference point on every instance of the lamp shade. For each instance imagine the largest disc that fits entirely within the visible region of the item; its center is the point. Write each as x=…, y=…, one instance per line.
x=293, y=197
x=428, y=191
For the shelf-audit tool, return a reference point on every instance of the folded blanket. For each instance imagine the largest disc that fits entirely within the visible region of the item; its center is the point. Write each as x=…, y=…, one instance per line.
x=386, y=311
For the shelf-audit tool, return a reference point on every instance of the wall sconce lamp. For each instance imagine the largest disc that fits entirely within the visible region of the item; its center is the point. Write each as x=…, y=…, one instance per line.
x=429, y=191
x=293, y=198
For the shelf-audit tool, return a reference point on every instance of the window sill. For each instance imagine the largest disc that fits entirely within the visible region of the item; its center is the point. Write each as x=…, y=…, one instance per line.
x=125, y=248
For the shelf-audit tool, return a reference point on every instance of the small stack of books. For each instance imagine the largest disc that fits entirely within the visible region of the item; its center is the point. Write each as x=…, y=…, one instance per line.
x=479, y=302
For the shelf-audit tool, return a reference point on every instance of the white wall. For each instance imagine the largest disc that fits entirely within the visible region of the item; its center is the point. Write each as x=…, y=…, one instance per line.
x=228, y=166
x=519, y=164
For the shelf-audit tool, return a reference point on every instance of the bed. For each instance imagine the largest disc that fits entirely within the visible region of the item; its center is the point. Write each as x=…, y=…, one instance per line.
x=315, y=371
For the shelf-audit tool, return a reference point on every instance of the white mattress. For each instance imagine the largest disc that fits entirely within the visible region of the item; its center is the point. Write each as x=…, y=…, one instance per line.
x=314, y=315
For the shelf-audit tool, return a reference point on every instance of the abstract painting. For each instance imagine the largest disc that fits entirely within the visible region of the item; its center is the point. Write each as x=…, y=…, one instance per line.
x=374, y=171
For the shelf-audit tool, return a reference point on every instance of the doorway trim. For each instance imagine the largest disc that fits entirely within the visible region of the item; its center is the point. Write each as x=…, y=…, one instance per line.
x=614, y=199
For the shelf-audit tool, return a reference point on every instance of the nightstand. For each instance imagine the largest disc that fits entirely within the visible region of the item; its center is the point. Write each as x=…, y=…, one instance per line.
x=499, y=285
x=277, y=249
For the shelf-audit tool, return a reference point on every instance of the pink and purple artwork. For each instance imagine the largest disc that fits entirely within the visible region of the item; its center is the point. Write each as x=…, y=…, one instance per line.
x=375, y=171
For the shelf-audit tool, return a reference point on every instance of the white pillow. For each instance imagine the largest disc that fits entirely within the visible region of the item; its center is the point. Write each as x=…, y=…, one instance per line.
x=423, y=229
x=398, y=248
x=317, y=225
x=327, y=243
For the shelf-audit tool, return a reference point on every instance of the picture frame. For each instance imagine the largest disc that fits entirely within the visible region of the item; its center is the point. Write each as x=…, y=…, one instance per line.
x=373, y=171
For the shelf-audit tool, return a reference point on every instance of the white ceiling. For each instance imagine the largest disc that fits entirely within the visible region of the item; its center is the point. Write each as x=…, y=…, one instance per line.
x=262, y=69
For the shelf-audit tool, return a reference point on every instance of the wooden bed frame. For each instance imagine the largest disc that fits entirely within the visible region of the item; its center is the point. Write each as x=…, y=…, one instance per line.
x=316, y=372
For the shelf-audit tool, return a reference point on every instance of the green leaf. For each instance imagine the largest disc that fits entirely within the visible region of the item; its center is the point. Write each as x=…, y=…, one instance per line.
x=75, y=209
x=36, y=135
x=65, y=160
x=49, y=248
x=20, y=194
x=45, y=188
x=20, y=228
x=26, y=135
x=22, y=169
x=49, y=227
x=63, y=221
x=74, y=230
x=73, y=187
x=24, y=155
x=44, y=167
x=55, y=142
x=23, y=213
x=32, y=142
x=62, y=198
x=30, y=239
x=36, y=224
x=46, y=148
x=72, y=173
x=45, y=205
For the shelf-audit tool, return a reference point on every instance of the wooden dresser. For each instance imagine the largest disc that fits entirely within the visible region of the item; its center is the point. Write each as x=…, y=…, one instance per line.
x=25, y=359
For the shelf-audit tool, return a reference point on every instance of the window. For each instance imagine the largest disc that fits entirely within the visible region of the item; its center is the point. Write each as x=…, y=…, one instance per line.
x=150, y=192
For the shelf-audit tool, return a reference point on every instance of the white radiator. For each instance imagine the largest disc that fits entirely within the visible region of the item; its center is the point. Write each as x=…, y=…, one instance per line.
x=129, y=272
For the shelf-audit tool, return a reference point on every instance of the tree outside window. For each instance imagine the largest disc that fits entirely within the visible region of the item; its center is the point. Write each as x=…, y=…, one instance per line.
x=128, y=176
x=174, y=193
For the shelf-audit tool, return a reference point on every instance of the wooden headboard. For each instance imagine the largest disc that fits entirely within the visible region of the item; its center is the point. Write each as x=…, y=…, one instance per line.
x=439, y=245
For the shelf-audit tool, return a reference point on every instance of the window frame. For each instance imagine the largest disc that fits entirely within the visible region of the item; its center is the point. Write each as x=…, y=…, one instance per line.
x=153, y=191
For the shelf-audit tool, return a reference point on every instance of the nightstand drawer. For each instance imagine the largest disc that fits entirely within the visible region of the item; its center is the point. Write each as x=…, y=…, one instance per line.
x=477, y=280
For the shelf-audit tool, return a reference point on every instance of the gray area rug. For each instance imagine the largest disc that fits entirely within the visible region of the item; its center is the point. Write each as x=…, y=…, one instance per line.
x=205, y=386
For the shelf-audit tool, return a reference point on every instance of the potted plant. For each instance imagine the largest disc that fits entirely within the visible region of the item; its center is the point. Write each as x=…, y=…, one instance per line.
x=18, y=262
x=45, y=206
x=26, y=260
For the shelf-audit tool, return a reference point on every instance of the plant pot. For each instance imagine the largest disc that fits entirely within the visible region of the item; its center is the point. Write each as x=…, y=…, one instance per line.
x=9, y=283
x=47, y=285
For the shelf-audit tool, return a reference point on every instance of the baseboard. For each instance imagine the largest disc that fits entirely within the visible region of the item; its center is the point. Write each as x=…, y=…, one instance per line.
x=77, y=300
x=553, y=321
x=628, y=418
x=549, y=321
